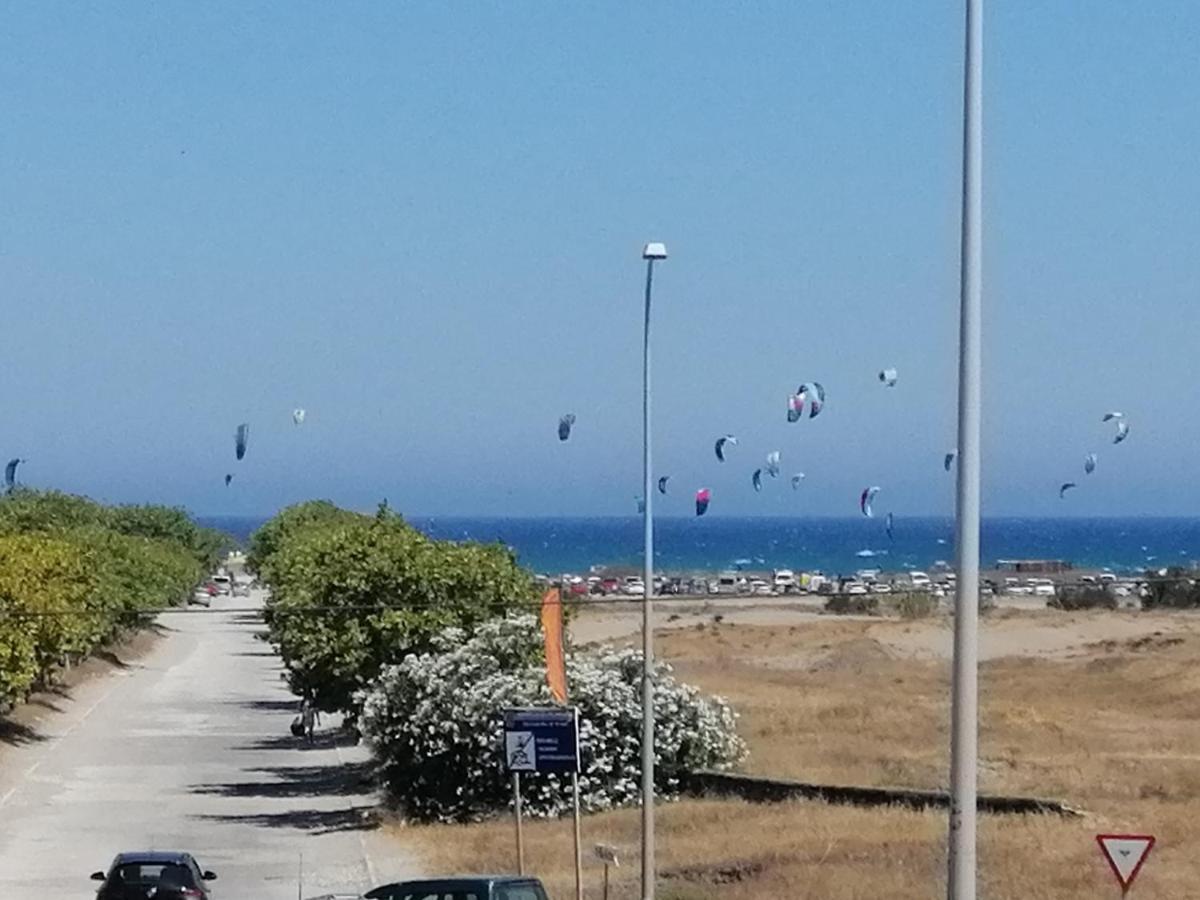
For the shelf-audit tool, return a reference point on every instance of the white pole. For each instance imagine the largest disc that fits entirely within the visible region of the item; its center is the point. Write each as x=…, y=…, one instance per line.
x=516, y=786
x=964, y=728
x=647, y=602
x=578, y=839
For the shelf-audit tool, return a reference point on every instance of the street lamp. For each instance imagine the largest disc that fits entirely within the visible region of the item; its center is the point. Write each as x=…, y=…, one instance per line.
x=964, y=704
x=651, y=252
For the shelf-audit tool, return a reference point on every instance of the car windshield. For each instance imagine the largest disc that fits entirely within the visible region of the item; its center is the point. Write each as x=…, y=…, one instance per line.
x=153, y=873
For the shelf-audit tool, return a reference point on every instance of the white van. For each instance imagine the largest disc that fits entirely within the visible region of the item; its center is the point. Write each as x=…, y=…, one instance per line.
x=784, y=580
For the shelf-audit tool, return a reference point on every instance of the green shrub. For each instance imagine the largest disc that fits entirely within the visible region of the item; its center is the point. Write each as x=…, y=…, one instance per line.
x=1177, y=589
x=853, y=604
x=48, y=601
x=1072, y=597
x=352, y=593
x=434, y=723
x=915, y=604
x=73, y=573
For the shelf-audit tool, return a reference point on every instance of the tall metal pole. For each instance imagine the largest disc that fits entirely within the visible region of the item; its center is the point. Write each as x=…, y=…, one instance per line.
x=647, y=623
x=964, y=714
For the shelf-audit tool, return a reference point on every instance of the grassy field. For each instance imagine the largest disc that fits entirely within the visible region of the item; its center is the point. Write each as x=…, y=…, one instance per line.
x=1111, y=727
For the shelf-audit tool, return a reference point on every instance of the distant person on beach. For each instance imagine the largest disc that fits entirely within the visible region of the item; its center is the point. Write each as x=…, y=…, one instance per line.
x=309, y=718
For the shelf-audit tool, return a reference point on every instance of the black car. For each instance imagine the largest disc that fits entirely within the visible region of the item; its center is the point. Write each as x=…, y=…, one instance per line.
x=154, y=875
x=473, y=887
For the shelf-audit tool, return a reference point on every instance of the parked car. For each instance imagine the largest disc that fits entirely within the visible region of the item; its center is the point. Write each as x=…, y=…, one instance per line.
x=784, y=580
x=157, y=874
x=202, y=595
x=634, y=589
x=224, y=584
x=482, y=887
x=920, y=581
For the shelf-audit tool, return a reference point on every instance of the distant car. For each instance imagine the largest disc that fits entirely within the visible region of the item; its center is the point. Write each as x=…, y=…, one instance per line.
x=224, y=584
x=203, y=595
x=920, y=581
x=610, y=585
x=784, y=580
x=854, y=587
x=482, y=887
x=154, y=875
x=634, y=588
x=1043, y=590
x=881, y=588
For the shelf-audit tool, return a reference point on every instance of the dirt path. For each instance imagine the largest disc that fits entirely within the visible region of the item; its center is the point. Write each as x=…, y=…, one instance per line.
x=187, y=748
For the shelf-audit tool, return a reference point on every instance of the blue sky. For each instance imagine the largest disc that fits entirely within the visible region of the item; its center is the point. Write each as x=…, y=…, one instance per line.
x=423, y=223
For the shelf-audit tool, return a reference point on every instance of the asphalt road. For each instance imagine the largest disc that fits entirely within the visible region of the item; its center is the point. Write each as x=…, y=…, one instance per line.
x=189, y=749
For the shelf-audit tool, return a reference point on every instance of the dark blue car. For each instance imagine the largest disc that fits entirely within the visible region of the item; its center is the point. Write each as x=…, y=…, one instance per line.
x=156, y=874
x=473, y=887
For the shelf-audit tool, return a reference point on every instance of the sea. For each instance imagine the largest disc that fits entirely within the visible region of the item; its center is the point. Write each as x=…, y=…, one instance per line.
x=830, y=545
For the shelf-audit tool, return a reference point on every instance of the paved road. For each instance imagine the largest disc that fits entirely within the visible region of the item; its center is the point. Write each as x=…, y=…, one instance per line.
x=189, y=749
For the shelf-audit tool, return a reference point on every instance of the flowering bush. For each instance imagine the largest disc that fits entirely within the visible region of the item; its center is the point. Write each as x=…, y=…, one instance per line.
x=435, y=723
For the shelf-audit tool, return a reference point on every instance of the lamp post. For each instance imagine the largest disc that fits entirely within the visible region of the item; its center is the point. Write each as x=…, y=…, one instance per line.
x=651, y=252
x=964, y=707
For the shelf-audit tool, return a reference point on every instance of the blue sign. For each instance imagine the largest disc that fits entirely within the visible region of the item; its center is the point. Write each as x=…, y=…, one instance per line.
x=541, y=740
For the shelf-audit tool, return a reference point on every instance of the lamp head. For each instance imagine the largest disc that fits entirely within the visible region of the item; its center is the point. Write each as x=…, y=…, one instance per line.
x=655, y=251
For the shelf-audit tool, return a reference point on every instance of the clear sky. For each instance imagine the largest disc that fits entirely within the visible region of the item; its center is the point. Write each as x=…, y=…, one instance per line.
x=422, y=222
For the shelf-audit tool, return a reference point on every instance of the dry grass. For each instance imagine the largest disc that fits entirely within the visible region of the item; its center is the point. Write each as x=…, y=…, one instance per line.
x=1113, y=729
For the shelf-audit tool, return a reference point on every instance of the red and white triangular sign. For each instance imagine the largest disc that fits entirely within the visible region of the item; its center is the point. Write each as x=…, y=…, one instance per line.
x=1125, y=854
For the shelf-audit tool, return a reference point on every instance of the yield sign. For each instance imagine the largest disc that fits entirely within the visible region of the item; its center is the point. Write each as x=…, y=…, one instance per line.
x=1125, y=854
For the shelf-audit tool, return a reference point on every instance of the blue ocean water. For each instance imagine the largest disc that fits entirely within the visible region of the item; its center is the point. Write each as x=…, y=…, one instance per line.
x=554, y=545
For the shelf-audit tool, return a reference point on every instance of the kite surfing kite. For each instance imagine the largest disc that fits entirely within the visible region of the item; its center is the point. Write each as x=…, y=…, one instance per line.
x=1122, y=425
x=773, y=463
x=1089, y=463
x=298, y=416
x=889, y=377
x=756, y=479
x=1062, y=491
x=228, y=478
x=719, y=447
x=702, y=498
x=948, y=460
x=796, y=479
x=812, y=393
x=240, y=438
x=662, y=484
x=564, y=426
x=887, y=525
x=10, y=473
x=865, y=501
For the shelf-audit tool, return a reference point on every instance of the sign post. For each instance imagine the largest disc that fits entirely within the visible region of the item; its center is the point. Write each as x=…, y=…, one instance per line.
x=544, y=739
x=608, y=856
x=516, y=783
x=1125, y=854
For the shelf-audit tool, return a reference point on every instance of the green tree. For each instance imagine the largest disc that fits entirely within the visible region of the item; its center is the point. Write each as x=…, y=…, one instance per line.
x=351, y=593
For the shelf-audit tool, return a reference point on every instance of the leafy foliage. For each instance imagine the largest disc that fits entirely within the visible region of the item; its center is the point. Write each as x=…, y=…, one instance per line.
x=1072, y=597
x=352, y=593
x=435, y=724
x=1177, y=589
x=73, y=573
